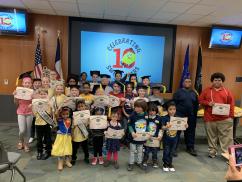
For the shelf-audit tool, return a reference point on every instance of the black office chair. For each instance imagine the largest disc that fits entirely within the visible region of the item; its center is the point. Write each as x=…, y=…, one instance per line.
x=8, y=161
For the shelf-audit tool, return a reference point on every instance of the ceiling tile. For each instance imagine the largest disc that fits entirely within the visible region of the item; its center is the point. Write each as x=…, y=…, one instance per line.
x=92, y=15
x=188, y=17
x=67, y=13
x=113, y=17
x=12, y=3
x=213, y=2
x=66, y=1
x=64, y=6
x=175, y=7
x=185, y=1
x=201, y=9
x=89, y=8
x=136, y=19
x=165, y=15
x=42, y=11
x=152, y=20
x=34, y=4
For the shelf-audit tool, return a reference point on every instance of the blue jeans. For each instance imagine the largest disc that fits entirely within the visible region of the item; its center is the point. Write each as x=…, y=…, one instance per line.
x=149, y=150
x=169, y=145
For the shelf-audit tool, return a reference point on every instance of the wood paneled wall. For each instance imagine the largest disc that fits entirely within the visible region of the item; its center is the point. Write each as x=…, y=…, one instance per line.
x=17, y=53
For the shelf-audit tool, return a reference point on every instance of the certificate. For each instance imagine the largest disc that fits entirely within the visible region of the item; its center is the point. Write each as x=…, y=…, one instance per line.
x=178, y=123
x=113, y=101
x=98, y=122
x=81, y=117
x=152, y=142
x=221, y=109
x=102, y=100
x=69, y=102
x=39, y=105
x=114, y=134
x=24, y=93
x=142, y=136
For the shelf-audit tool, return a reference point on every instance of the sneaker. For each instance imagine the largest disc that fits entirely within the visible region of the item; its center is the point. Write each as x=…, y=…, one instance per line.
x=31, y=140
x=94, y=161
x=116, y=165
x=39, y=156
x=145, y=164
x=130, y=167
x=192, y=152
x=45, y=156
x=106, y=163
x=212, y=154
x=100, y=160
x=20, y=146
x=155, y=164
x=171, y=168
x=165, y=168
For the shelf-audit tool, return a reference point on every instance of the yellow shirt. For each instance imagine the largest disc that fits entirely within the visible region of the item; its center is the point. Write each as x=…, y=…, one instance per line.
x=89, y=98
x=50, y=92
x=67, y=91
x=38, y=120
x=76, y=135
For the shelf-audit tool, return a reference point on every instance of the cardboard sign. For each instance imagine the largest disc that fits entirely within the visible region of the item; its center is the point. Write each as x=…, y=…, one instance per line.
x=39, y=105
x=114, y=101
x=153, y=142
x=81, y=117
x=98, y=122
x=178, y=123
x=24, y=93
x=142, y=136
x=114, y=134
x=221, y=109
x=102, y=100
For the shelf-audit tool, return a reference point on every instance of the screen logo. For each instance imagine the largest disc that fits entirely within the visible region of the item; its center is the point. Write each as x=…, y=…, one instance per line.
x=6, y=21
x=226, y=37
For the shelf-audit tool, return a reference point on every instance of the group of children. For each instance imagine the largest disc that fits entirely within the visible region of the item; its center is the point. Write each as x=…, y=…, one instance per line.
x=139, y=112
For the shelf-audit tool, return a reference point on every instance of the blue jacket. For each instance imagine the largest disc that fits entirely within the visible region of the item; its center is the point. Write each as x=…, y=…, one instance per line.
x=63, y=127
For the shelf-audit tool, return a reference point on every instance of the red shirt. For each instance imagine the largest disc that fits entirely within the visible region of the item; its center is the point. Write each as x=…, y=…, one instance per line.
x=222, y=96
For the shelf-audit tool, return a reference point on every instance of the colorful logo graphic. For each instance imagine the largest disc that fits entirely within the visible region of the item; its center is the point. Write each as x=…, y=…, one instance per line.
x=140, y=125
x=129, y=58
x=6, y=21
x=226, y=37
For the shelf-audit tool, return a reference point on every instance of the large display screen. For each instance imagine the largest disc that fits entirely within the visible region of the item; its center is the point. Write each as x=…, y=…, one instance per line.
x=13, y=21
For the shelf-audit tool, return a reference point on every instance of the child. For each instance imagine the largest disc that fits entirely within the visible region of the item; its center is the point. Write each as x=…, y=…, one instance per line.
x=154, y=128
x=43, y=130
x=141, y=89
x=169, y=137
x=86, y=95
x=46, y=85
x=95, y=79
x=74, y=91
x=78, y=138
x=24, y=113
x=113, y=145
x=72, y=80
x=98, y=135
x=62, y=147
x=118, y=76
x=137, y=123
x=146, y=82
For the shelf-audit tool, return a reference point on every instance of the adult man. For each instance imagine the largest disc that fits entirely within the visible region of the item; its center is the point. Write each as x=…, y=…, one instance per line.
x=218, y=127
x=187, y=106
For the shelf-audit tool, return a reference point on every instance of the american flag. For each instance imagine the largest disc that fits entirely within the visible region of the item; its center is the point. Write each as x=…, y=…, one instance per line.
x=38, y=61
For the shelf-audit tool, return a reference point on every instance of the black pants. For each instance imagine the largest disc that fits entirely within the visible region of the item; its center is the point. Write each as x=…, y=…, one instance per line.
x=32, y=135
x=97, y=145
x=189, y=133
x=43, y=136
x=76, y=145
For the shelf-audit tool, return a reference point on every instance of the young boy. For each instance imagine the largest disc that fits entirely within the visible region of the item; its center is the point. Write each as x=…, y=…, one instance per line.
x=137, y=123
x=86, y=95
x=146, y=82
x=74, y=91
x=141, y=89
x=170, y=137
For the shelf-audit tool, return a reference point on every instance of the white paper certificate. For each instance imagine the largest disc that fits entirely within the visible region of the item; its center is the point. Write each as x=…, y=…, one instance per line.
x=142, y=136
x=221, y=109
x=152, y=142
x=178, y=123
x=114, y=101
x=81, y=117
x=115, y=134
x=98, y=122
x=101, y=100
x=40, y=105
x=24, y=93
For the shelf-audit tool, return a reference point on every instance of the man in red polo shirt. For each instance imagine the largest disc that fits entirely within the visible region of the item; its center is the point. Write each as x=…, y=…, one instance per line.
x=219, y=128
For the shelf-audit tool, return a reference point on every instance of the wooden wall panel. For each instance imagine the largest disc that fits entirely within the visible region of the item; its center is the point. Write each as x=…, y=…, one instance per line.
x=17, y=53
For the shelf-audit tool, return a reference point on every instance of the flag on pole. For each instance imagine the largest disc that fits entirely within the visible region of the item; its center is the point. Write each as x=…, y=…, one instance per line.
x=38, y=61
x=185, y=71
x=198, y=79
x=58, y=67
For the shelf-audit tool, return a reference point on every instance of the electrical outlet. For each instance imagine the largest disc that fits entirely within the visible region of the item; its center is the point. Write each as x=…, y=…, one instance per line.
x=5, y=81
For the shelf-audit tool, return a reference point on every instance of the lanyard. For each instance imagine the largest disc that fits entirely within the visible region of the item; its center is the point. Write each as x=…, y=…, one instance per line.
x=211, y=92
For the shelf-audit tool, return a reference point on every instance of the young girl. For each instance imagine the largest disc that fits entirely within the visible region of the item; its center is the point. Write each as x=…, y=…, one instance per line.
x=45, y=82
x=97, y=140
x=62, y=147
x=78, y=138
x=43, y=130
x=25, y=116
x=137, y=123
x=169, y=137
x=154, y=124
x=113, y=145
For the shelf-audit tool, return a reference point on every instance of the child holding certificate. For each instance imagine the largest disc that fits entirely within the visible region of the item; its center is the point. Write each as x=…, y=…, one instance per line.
x=62, y=147
x=24, y=113
x=154, y=124
x=113, y=144
x=137, y=124
x=78, y=138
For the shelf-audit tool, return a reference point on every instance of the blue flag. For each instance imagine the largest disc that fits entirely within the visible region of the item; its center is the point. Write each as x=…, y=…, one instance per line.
x=185, y=71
